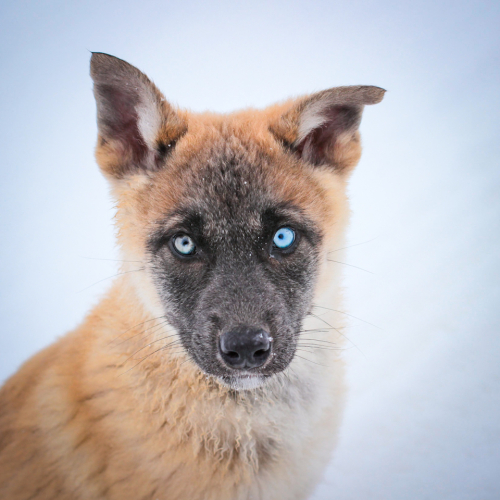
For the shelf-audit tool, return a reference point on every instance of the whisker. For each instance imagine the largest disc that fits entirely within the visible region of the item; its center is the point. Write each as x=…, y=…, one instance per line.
x=351, y=246
x=154, y=327
x=113, y=260
x=286, y=375
x=310, y=342
x=131, y=328
x=350, y=315
x=319, y=340
x=142, y=359
x=324, y=321
x=151, y=343
x=323, y=329
x=301, y=357
x=316, y=346
x=304, y=350
x=350, y=265
x=109, y=277
x=188, y=358
x=292, y=370
x=340, y=333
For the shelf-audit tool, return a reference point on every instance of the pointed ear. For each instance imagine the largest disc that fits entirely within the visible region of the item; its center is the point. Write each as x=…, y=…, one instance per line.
x=322, y=129
x=137, y=127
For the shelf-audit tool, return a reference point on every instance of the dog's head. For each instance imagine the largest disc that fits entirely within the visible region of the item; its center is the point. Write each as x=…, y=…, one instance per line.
x=232, y=215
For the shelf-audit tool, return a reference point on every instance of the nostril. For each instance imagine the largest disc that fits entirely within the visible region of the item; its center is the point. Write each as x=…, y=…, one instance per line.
x=260, y=352
x=232, y=354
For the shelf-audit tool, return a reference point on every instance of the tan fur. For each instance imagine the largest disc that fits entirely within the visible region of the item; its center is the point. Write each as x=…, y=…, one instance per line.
x=101, y=415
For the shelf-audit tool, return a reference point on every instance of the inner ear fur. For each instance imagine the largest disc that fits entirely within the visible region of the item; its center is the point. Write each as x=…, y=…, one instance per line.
x=322, y=129
x=137, y=127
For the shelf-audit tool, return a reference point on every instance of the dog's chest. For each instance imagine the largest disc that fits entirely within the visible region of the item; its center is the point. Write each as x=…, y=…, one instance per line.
x=250, y=445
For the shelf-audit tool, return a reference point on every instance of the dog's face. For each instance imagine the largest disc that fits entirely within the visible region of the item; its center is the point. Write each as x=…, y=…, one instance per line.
x=235, y=260
x=232, y=216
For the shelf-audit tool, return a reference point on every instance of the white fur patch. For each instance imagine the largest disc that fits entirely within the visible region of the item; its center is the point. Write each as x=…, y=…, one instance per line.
x=311, y=119
x=246, y=383
x=149, y=118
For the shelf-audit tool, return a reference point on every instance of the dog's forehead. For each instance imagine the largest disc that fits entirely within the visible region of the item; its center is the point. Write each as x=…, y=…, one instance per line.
x=233, y=184
x=230, y=175
x=227, y=192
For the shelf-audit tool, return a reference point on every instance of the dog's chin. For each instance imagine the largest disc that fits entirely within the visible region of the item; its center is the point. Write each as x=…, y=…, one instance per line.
x=243, y=382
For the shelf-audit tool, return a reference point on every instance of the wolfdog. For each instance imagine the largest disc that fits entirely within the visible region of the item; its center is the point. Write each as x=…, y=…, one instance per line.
x=208, y=371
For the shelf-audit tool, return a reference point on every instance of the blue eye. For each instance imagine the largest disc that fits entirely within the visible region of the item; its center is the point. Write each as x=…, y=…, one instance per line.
x=184, y=244
x=284, y=237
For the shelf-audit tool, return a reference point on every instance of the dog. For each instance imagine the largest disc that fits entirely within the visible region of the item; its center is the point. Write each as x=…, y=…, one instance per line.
x=208, y=371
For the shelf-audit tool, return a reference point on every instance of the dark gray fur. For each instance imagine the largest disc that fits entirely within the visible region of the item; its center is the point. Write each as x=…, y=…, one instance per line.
x=235, y=280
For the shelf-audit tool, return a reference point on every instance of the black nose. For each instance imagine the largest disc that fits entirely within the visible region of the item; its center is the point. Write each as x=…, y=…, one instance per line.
x=245, y=347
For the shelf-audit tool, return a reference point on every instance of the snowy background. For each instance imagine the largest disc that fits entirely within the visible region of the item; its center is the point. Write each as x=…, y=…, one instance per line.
x=423, y=418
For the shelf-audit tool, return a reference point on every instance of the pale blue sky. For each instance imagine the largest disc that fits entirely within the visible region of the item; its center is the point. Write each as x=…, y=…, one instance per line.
x=423, y=420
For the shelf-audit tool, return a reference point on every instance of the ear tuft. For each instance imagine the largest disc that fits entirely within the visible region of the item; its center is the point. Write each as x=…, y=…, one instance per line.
x=135, y=122
x=323, y=128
